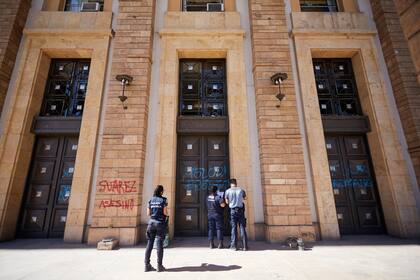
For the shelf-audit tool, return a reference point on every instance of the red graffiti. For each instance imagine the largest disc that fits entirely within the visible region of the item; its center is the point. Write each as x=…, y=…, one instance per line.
x=127, y=204
x=117, y=186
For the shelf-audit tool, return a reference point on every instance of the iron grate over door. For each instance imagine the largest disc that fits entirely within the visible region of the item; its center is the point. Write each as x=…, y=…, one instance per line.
x=354, y=187
x=47, y=193
x=336, y=87
x=203, y=89
x=66, y=88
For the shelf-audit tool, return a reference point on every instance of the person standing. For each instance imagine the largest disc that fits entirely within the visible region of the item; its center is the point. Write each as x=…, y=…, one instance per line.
x=156, y=228
x=235, y=197
x=215, y=210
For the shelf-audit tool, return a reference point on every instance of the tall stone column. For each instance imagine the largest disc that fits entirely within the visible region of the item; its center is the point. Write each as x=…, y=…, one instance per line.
x=119, y=183
x=397, y=30
x=13, y=16
x=284, y=183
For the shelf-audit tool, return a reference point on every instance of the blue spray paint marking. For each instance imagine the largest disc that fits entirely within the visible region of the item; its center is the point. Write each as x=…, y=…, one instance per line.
x=355, y=183
x=64, y=193
x=199, y=179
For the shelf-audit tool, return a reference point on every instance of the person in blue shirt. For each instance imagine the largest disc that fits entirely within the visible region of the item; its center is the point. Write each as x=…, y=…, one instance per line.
x=215, y=211
x=235, y=197
x=156, y=228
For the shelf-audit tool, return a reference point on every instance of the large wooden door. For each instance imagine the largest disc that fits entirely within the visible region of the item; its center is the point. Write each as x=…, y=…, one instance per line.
x=354, y=187
x=203, y=161
x=44, y=210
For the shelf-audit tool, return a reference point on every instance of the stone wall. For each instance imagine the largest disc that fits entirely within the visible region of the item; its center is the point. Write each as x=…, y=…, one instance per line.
x=284, y=185
x=392, y=25
x=120, y=178
x=409, y=13
x=13, y=16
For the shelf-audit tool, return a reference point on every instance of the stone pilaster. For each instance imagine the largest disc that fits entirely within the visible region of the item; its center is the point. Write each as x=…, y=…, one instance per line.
x=285, y=193
x=13, y=16
x=401, y=64
x=120, y=178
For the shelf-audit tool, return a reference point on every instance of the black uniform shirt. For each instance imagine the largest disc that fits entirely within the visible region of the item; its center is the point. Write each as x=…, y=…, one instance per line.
x=156, y=205
x=213, y=204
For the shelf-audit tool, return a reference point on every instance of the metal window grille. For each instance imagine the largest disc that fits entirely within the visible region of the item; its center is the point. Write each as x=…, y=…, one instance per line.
x=198, y=5
x=76, y=5
x=318, y=6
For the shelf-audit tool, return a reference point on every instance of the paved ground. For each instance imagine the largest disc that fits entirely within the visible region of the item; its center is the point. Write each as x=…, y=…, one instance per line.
x=377, y=258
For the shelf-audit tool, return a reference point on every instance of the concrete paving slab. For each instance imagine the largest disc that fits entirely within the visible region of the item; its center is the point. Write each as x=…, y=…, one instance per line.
x=376, y=258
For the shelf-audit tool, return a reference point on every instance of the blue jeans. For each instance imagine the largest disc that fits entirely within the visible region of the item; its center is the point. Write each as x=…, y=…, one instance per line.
x=155, y=229
x=237, y=217
x=215, y=226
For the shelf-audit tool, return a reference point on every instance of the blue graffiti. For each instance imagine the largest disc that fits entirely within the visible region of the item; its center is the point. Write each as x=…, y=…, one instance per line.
x=64, y=193
x=355, y=183
x=198, y=178
x=361, y=168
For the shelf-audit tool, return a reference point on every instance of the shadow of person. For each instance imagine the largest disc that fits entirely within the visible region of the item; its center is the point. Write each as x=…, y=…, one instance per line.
x=204, y=267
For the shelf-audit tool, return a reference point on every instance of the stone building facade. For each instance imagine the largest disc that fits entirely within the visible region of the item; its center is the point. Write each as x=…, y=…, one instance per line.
x=103, y=100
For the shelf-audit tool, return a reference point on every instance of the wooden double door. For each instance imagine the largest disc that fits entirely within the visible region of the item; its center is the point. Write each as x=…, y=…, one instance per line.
x=354, y=187
x=48, y=188
x=202, y=162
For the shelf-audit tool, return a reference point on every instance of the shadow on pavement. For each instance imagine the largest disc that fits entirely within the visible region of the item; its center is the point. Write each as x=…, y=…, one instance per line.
x=204, y=267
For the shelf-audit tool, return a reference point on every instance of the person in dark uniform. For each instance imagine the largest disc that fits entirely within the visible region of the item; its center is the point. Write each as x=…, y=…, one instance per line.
x=156, y=228
x=215, y=209
x=235, y=197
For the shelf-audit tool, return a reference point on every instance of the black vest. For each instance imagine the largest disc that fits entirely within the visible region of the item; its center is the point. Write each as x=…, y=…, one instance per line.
x=213, y=204
x=156, y=205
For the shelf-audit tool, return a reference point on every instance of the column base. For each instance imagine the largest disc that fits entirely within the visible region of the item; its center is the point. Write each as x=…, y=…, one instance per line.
x=126, y=236
x=279, y=233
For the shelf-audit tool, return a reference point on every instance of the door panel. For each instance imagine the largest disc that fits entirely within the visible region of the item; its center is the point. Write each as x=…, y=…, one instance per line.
x=38, y=194
x=44, y=209
x=189, y=192
x=216, y=146
x=188, y=220
x=190, y=146
x=47, y=147
x=59, y=221
x=205, y=164
x=63, y=195
x=43, y=170
x=34, y=220
x=354, y=187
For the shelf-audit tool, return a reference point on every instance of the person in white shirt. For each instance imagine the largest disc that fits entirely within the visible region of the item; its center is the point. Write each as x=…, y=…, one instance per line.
x=235, y=197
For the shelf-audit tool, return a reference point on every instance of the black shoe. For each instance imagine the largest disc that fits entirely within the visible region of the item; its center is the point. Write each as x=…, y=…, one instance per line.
x=148, y=267
x=220, y=246
x=211, y=245
x=160, y=268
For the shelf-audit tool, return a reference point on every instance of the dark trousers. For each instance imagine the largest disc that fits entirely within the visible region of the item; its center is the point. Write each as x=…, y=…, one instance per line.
x=237, y=217
x=215, y=226
x=155, y=230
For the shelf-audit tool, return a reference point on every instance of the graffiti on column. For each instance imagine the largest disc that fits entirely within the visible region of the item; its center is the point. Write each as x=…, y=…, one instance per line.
x=117, y=187
x=126, y=204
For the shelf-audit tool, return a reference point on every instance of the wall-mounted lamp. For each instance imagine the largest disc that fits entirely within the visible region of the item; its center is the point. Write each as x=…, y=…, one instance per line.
x=278, y=79
x=125, y=81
